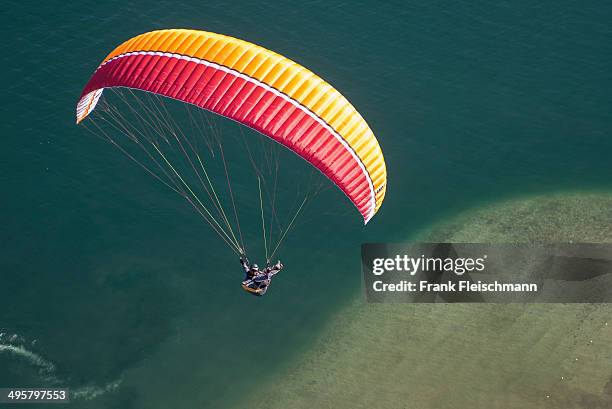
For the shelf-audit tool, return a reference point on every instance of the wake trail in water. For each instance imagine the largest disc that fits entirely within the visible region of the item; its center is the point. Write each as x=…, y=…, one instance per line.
x=45, y=368
x=15, y=346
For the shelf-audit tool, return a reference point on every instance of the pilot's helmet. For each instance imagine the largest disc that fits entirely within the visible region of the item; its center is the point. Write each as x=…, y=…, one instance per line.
x=255, y=267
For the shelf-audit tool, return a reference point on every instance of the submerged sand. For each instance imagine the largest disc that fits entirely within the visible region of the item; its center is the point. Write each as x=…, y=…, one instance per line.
x=466, y=355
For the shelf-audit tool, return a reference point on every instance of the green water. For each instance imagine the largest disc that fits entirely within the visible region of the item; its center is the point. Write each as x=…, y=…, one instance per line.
x=112, y=285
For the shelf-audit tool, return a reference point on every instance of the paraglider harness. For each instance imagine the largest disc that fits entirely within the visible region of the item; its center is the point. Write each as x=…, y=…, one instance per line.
x=257, y=281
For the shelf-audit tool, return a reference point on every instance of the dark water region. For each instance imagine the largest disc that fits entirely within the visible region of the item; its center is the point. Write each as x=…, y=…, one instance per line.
x=110, y=284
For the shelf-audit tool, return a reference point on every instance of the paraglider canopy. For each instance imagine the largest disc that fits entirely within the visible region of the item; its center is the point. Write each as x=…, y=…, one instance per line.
x=258, y=88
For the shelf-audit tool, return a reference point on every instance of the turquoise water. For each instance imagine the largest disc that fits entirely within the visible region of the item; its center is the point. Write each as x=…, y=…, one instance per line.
x=112, y=286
